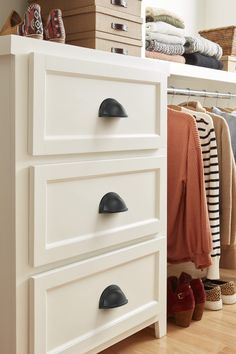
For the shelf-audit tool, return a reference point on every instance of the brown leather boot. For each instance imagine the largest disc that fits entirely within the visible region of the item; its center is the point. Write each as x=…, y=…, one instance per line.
x=31, y=26
x=12, y=24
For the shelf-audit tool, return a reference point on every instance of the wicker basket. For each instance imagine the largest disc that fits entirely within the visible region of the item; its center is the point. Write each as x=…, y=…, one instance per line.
x=224, y=36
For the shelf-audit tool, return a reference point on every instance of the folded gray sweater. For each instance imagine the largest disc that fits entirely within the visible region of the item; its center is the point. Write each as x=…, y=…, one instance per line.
x=198, y=44
x=170, y=49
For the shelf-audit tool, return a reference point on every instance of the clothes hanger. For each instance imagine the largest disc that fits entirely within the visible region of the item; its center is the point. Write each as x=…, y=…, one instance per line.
x=209, y=109
x=192, y=105
x=223, y=109
x=228, y=109
x=189, y=104
x=195, y=105
x=173, y=106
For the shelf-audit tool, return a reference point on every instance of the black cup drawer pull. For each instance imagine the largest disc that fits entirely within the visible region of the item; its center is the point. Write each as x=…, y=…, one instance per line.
x=112, y=203
x=112, y=297
x=119, y=27
x=119, y=51
x=121, y=3
x=111, y=108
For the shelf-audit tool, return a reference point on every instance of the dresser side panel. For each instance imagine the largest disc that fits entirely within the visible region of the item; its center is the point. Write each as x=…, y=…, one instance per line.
x=7, y=210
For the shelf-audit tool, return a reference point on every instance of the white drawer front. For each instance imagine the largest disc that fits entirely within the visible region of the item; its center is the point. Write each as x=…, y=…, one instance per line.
x=65, y=96
x=65, y=198
x=65, y=314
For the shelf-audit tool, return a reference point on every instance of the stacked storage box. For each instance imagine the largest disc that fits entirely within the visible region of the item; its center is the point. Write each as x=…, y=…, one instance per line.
x=110, y=25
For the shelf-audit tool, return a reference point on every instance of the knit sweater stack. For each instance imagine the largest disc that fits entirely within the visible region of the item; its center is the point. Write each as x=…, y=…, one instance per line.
x=200, y=51
x=164, y=35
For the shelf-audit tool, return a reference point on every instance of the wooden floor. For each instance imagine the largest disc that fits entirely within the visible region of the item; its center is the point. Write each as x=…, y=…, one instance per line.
x=215, y=334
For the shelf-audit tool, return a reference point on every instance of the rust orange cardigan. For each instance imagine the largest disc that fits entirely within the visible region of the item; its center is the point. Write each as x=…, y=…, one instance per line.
x=189, y=234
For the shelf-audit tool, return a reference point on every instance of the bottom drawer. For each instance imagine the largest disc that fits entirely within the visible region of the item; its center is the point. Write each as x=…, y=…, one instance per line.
x=109, y=43
x=65, y=314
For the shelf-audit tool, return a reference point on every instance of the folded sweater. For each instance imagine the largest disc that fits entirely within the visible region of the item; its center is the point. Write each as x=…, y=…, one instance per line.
x=203, y=60
x=165, y=38
x=189, y=236
x=165, y=28
x=166, y=57
x=170, y=49
x=154, y=14
x=204, y=46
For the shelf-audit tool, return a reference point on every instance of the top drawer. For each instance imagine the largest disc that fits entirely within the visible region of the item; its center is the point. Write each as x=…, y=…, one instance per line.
x=64, y=100
x=132, y=7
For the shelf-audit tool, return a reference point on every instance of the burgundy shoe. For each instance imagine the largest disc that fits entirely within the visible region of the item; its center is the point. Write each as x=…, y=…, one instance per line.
x=180, y=302
x=32, y=25
x=198, y=292
x=54, y=29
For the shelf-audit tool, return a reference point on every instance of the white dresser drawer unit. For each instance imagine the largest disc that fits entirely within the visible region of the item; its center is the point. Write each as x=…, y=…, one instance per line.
x=65, y=99
x=66, y=317
x=83, y=197
x=65, y=198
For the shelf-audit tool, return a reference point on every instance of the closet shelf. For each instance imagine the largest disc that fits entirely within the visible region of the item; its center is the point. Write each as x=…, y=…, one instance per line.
x=190, y=71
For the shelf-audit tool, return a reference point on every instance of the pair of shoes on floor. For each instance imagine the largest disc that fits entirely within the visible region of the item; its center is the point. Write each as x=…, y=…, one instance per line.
x=219, y=292
x=185, y=299
x=32, y=25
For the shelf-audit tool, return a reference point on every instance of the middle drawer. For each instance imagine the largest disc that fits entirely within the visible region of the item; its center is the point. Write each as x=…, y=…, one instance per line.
x=65, y=201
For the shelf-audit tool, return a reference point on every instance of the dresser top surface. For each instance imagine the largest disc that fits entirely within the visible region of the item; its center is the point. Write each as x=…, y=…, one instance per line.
x=16, y=45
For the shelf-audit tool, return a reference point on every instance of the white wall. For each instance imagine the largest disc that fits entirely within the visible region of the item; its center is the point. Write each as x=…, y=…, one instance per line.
x=192, y=11
x=220, y=13
x=197, y=14
x=6, y=6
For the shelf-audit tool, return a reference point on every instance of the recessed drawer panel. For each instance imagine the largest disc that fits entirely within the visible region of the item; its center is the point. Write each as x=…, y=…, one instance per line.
x=74, y=209
x=65, y=313
x=65, y=100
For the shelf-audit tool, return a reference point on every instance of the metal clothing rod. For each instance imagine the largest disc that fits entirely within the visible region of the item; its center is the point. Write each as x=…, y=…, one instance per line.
x=199, y=93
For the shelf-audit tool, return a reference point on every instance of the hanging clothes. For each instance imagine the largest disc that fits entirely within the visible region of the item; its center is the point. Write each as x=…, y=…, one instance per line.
x=189, y=234
x=227, y=193
x=231, y=121
x=212, y=184
x=227, y=172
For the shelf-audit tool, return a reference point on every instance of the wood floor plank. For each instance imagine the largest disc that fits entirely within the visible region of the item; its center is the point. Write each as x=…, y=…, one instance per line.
x=215, y=334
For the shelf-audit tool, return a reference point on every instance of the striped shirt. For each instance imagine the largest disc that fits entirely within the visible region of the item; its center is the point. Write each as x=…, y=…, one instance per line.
x=212, y=183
